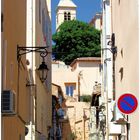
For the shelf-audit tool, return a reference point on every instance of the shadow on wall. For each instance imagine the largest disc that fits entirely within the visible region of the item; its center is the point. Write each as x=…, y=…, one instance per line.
x=61, y=128
x=71, y=119
x=68, y=132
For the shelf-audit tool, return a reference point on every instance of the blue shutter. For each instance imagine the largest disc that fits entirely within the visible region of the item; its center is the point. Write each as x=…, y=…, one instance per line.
x=71, y=90
x=67, y=90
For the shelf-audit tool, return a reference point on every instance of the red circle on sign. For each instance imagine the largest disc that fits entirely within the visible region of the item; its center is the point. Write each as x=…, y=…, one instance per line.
x=127, y=103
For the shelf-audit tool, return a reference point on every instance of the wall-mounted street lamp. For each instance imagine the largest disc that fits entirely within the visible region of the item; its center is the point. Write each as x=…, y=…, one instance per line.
x=43, y=69
x=111, y=43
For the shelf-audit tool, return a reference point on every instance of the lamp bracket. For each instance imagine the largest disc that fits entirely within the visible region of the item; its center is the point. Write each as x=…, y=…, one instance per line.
x=113, y=50
x=22, y=50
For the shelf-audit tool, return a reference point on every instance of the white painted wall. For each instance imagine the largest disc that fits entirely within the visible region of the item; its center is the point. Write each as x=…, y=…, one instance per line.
x=89, y=75
x=62, y=74
x=98, y=23
x=107, y=65
x=127, y=42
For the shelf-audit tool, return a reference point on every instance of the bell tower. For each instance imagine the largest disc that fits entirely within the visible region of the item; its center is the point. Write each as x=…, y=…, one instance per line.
x=66, y=10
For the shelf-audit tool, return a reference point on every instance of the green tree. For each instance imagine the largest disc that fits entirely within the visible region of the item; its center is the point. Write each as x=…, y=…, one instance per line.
x=76, y=39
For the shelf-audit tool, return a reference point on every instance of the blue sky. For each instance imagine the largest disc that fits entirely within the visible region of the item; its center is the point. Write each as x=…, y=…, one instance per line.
x=86, y=9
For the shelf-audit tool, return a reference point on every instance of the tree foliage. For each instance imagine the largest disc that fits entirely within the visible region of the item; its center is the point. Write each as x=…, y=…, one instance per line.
x=76, y=39
x=85, y=98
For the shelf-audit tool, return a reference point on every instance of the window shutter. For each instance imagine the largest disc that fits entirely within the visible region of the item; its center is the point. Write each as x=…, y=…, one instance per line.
x=71, y=90
x=67, y=90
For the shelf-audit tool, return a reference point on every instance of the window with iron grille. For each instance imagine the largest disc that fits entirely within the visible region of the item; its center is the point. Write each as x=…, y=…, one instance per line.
x=67, y=16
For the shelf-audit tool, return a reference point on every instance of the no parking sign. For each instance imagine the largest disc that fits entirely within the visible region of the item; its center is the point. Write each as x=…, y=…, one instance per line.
x=127, y=103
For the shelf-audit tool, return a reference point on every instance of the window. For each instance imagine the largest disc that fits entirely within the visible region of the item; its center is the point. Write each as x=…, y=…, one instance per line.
x=67, y=16
x=69, y=90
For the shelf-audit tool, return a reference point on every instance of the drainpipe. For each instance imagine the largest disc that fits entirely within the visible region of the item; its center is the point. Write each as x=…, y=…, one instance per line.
x=106, y=57
x=105, y=67
x=106, y=98
x=79, y=84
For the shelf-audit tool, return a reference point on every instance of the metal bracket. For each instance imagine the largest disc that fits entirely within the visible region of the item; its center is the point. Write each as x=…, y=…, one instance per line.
x=21, y=50
x=113, y=50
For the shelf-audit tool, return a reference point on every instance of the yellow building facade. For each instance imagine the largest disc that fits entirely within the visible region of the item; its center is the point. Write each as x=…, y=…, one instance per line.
x=14, y=73
x=25, y=23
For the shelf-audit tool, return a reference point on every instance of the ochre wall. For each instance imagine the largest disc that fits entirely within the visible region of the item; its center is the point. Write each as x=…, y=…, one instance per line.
x=14, y=32
x=13, y=127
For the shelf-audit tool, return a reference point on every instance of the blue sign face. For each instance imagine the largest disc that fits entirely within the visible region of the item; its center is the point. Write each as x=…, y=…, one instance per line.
x=127, y=103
